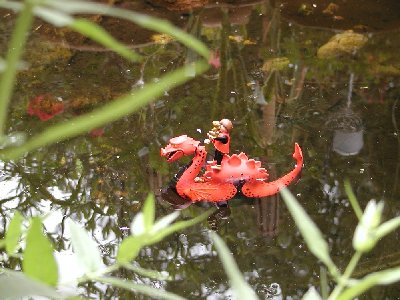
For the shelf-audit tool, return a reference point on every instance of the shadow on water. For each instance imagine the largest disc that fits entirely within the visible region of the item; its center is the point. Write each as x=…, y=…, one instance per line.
x=277, y=86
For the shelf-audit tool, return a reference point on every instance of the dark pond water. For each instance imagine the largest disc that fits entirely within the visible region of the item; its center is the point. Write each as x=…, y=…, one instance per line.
x=340, y=105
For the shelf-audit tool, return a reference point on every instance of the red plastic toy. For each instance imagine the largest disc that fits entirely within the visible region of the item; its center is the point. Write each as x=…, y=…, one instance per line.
x=236, y=172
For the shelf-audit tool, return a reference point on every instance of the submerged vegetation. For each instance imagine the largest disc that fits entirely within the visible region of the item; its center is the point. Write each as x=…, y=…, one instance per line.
x=254, y=74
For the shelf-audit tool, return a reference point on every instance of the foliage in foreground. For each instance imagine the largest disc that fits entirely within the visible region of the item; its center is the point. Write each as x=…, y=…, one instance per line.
x=367, y=233
x=26, y=239
x=40, y=269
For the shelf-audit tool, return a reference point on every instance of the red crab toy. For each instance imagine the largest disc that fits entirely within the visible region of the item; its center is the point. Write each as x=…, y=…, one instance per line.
x=237, y=172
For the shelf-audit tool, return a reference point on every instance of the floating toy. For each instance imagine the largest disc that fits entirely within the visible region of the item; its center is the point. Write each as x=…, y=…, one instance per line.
x=237, y=174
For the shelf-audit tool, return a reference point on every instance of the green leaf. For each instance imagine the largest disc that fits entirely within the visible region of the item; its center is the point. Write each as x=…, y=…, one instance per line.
x=130, y=247
x=147, y=273
x=88, y=29
x=101, y=36
x=310, y=232
x=38, y=260
x=140, y=288
x=387, y=227
x=378, y=278
x=149, y=211
x=240, y=287
x=311, y=294
x=137, y=226
x=152, y=23
x=165, y=221
x=177, y=226
x=85, y=248
x=110, y=112
x=353, y=199
x=15, y=285
x=13, y=233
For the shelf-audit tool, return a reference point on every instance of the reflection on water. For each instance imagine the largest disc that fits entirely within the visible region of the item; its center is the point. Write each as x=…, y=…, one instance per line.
x=275, y=88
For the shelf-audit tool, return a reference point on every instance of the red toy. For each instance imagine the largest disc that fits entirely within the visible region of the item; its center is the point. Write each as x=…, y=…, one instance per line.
x=237, y=172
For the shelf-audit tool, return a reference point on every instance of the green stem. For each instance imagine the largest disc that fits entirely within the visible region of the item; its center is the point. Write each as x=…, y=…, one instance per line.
x=17, y=43
x=346, y=275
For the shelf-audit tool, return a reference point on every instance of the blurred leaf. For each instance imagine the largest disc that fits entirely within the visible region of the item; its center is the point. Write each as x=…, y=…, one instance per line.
x=129, y=248
x=149, y=210
x=88, y=29
x=131, y=245
x=241, y=288
x=353, y=199
x=387, y=227
x=110, y=112
x=15, y=285
x=13, y=233
x=98, y=34
x=152, y=23
x=147, y=273
x=85, y=248
x=39, y=262
x=137, y=225
x=177, y=226
x=310, y=232
x=311, y=294
x=143, y=289
x=165, y=221
x=378, y=278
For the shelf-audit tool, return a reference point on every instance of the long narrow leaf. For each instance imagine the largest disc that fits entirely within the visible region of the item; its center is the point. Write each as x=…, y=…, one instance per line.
x=241, y=288
x=178, y=226
x=88, y=29
x=378, y=278
x=310, y=232
x=387, y=227
x=147, y=273
x=110, y=112
x=142, y=289
x=145, y=21
x=353, y=199
x=149, y=210
x=16, y=47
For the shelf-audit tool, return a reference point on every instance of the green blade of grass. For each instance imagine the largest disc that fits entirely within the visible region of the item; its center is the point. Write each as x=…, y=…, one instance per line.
x=145, y=21
x=110, y=112
x=177, y=226
x=149, y=210
x=240, y=287
x=16, y=47
x=310, y=232
x=147, y=273
x=154, y=293
x=88, y=29
x=353, y=199
x=378, y=278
